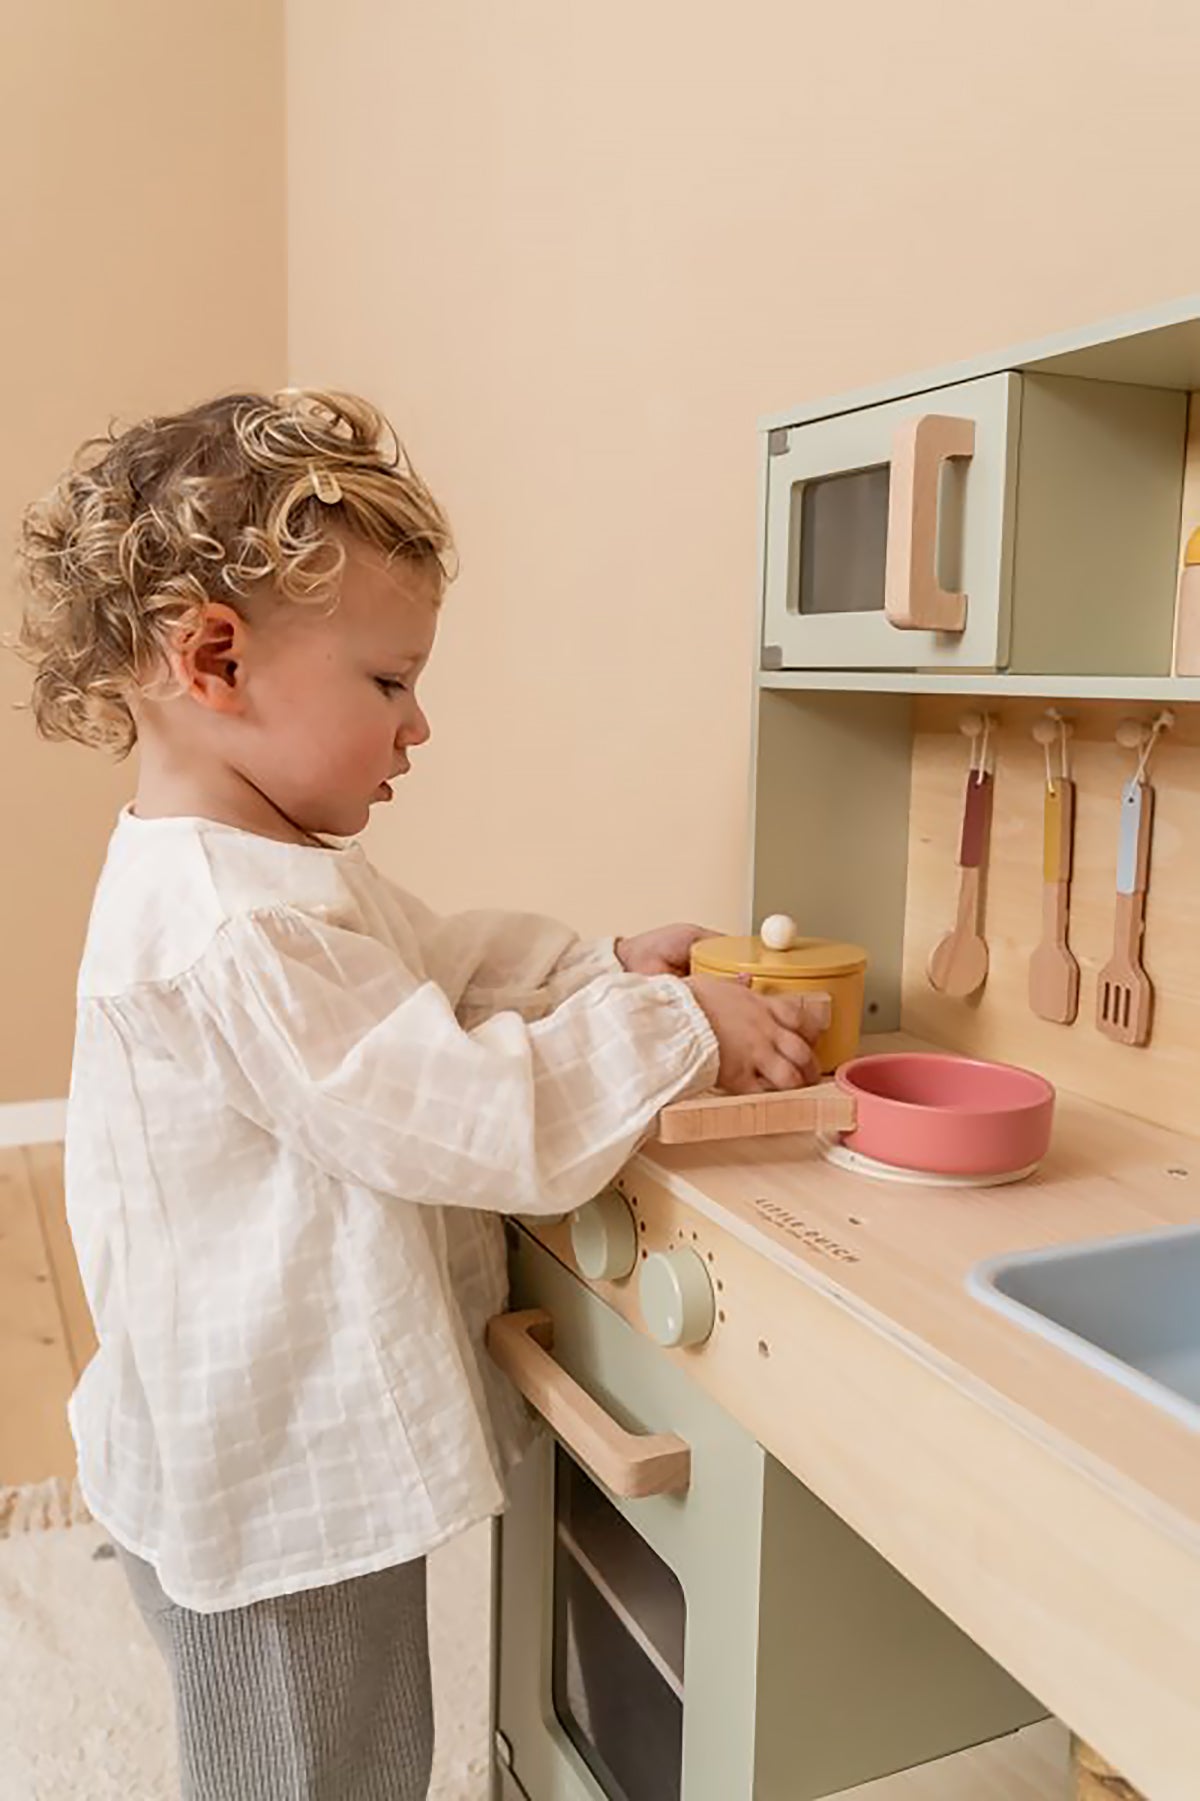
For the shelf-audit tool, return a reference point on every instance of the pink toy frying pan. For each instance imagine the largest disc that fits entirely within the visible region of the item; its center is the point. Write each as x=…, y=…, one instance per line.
x=906, y=1110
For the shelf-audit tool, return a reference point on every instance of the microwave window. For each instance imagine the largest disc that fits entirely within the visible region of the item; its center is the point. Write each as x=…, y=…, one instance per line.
x=842, y=522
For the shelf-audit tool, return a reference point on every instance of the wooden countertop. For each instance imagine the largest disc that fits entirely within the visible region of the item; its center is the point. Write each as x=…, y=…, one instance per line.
x=901, y=1253
x=1054, y=1514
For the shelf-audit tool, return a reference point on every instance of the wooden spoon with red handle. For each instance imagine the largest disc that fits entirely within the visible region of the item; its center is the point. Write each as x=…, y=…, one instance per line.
x=1125, y=997
x=958, y=963
x=1053, y=970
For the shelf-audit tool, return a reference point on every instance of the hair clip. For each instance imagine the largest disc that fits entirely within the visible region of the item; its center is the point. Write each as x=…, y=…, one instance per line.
x=325, y=485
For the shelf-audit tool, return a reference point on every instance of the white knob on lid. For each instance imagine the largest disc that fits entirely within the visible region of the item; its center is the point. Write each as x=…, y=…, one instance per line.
x=779, y=932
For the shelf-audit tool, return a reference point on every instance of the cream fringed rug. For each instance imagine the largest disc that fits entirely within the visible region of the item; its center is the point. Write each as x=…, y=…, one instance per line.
x=85, y=1706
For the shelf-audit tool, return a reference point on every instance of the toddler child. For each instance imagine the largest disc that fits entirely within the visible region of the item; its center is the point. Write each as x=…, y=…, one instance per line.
x=301, y=1101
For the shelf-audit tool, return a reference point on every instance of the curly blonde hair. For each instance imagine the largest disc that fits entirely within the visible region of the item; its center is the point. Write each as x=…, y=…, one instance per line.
x=149, y=524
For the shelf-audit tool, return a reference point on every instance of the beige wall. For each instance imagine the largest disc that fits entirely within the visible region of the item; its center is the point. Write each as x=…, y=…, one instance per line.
x=142, y=220
x=578, y=249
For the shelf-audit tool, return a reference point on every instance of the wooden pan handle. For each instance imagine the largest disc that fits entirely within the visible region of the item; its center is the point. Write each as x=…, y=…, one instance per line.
x=627, y=1463
x=825, y=1108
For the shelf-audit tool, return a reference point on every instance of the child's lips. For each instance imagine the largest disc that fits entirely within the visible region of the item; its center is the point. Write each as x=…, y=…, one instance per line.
x=384, y=790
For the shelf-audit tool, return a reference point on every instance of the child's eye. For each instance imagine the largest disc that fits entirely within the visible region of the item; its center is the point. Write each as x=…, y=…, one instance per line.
x=389, y=685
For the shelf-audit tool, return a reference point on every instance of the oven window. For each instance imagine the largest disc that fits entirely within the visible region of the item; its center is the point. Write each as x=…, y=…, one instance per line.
x=619, y=1618
x=842, y=521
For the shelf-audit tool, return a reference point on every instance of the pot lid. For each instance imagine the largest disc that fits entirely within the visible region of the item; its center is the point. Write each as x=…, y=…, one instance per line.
x=750, y=956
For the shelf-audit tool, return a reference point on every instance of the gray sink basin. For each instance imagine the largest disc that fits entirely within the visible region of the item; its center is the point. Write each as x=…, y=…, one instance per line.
x=1128, y=1307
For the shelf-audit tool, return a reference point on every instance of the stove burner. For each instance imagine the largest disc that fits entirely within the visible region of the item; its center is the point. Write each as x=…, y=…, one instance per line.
x=834, y=1151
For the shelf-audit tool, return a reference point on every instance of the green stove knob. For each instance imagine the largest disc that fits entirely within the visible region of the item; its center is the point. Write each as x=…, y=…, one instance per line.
x=604, y=1238
x=677, y=1299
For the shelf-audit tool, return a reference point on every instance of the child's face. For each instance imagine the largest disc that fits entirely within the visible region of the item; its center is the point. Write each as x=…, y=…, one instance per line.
x=331, y=711
x=310, y=709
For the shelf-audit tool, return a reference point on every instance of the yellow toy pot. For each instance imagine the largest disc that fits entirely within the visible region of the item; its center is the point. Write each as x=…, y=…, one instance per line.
x=819, y=965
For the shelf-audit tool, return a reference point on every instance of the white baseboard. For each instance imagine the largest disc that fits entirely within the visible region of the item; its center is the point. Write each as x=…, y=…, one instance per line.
x=32, y=1122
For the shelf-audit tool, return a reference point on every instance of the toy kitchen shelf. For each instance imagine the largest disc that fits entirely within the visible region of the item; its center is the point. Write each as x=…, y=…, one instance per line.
x=1003, y=538
x=1036, y=506
x=1015, y=525
x=1171, y=690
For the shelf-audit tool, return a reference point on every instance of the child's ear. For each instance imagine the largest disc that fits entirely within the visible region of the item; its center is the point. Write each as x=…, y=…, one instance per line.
x=210, y=663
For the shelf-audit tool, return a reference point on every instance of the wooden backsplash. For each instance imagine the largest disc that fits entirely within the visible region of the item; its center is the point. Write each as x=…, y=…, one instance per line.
x=1160, y=1081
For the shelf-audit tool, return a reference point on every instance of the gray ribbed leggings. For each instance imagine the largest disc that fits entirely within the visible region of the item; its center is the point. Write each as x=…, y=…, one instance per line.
x=320, y=1696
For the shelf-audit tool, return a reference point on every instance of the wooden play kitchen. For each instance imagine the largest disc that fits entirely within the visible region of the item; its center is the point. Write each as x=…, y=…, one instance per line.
x=977, y=795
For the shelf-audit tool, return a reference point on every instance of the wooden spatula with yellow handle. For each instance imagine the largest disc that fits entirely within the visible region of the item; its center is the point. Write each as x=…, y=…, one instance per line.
x=1053, y=970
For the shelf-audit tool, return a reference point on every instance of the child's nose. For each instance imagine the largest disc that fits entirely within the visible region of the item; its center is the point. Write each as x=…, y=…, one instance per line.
x=414, y=730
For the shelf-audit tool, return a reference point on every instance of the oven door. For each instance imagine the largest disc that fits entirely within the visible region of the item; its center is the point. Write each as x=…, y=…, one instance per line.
x=609, y=1607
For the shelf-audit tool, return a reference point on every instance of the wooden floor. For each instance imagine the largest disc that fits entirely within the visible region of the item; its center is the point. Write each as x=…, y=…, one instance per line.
x=46, y=1334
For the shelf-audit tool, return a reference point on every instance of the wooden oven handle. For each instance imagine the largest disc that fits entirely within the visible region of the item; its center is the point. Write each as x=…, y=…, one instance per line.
x=913, y=599
x=629, y=1464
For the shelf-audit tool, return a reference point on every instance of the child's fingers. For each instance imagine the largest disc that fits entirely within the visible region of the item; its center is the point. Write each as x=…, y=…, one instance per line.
x=799, y=1054
x=777, y=1071
x=808, y=1014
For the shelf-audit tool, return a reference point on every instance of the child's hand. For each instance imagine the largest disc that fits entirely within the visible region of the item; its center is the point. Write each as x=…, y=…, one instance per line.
x=765, y=1039
x=666, y=951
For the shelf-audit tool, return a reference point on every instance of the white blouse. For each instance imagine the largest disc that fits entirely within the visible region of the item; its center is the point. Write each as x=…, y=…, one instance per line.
x=300, y=1103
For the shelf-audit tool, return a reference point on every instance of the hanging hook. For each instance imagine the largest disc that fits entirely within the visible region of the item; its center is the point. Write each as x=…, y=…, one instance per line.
x=971, y=725
x=1163, y=723
x=1135, y=734
x=979, y=730
x=976, y=726
x=1045, y=732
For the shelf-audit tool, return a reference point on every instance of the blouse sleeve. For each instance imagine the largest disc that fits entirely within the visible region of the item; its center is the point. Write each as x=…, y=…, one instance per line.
x=323, y=1037
x=490, y=961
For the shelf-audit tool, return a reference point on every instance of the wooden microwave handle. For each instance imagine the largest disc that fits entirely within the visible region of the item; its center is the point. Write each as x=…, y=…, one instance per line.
x=628, y=1463
x=913, y=600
